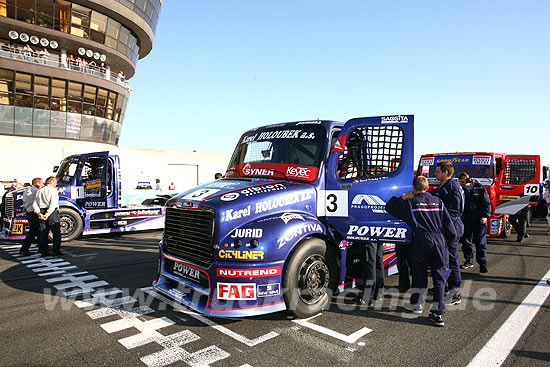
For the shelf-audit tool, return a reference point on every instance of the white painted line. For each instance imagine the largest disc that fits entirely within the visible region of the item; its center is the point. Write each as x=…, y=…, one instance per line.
x=352, y=338
x=127, y=321
x=201, y=358
x=495, y=352
x=238, y=337
x=148, y=332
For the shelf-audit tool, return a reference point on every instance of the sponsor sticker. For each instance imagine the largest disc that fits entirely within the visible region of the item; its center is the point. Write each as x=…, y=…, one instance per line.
x=371, y=202
x=262, y=189
x=247, y=273
x=481, y=160
x=237, y=291
x=137, y=212
x=398, y=119
x=200, y=194
x=247, y=233
x=508, y=197
x=298, y=172
x=365, y=233
x=298, y=231
x=427, y=161
x=249, y=171
x=232, y=214
x=287, y=217
x=267, y=290
x=241, y=255
x=229, y=196
x=17, y=228
x=186, y=271
x=93, y=184
x=221, y=184
x=495, y=226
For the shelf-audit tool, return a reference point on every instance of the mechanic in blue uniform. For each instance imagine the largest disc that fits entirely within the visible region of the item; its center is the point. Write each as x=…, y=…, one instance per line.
x=477, y=208
x=432, y=231
x=452, y=195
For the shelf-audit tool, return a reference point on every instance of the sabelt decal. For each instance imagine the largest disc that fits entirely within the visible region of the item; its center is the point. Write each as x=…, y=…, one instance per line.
x=481, y=160
x=287, y=217
x=93, y=184
x=366, y=233
x=427, y=161
x=237, y=291
x=241, y=255
x=247, y=233
x=247, y=273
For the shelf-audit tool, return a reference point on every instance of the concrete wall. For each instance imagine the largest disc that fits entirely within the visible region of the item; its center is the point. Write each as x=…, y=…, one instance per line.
x=24, y=158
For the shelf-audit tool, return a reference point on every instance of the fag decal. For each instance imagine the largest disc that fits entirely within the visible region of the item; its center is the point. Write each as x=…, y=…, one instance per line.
x=237, y=291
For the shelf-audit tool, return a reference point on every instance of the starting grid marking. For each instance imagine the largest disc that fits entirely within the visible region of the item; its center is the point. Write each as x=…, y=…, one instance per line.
x=112, y=301
x=77, y=283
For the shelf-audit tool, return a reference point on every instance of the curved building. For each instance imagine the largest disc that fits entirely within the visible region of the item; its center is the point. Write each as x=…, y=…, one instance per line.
x=64, y=67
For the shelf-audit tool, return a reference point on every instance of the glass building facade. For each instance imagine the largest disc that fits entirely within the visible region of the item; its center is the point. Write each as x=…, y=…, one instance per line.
x=80, y=21
x=42, y=106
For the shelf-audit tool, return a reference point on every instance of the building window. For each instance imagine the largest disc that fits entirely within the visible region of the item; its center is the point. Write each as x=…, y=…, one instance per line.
x=80, y=21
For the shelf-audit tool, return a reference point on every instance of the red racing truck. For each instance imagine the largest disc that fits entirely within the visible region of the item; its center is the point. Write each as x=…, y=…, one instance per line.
x=512, y=181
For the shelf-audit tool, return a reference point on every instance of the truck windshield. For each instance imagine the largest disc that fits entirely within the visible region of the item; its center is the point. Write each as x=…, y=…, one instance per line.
x=484, y=174
x=67, y=169
x=293, y=152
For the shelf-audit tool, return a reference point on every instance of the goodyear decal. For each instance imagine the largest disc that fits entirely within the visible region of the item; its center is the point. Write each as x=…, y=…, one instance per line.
x=454, y=160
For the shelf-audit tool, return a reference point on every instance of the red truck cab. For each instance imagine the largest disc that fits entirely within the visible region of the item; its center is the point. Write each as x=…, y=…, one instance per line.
x=511, y=180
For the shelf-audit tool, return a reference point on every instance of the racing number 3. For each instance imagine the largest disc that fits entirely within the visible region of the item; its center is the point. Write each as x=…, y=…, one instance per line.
x=335, y=203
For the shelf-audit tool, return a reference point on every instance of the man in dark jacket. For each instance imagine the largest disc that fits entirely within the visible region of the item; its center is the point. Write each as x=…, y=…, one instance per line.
x=452, y=196
x=477, y=208
x=433, y=230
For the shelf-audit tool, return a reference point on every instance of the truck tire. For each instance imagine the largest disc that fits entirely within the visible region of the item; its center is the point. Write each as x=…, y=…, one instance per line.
x=507, y=232
x=309, y=273
x=71, y=224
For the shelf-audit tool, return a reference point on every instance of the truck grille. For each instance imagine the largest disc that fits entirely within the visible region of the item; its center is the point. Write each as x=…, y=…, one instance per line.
x=189, y=234
x=9, y=206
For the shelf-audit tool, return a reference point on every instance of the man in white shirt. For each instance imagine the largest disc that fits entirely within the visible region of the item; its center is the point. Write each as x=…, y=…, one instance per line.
x=46, y=205
x=29, y=195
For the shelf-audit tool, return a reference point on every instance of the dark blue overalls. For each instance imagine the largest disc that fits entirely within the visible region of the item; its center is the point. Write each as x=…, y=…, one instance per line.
x=452, y=195
x=476, y=206
x=432, y=230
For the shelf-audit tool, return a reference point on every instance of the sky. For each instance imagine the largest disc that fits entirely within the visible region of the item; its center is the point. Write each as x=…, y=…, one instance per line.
x=476, y=74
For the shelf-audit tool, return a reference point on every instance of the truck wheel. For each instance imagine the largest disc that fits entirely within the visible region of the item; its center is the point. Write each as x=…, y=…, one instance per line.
x=507, y=232
x=309, y=273
x=71, y=224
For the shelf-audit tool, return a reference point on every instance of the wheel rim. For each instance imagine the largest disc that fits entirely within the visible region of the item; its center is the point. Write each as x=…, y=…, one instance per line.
x=67, y=225
x=313, y=279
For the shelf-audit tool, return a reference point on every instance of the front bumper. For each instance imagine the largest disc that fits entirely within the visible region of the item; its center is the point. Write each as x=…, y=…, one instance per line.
x=224, y=289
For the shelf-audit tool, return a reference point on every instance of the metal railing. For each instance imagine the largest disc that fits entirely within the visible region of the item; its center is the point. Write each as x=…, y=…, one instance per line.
x=54, y=61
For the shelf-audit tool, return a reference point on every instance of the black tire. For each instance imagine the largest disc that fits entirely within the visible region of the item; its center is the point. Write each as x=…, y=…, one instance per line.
x=309, y=273
x=507, y=232
x=71, y=224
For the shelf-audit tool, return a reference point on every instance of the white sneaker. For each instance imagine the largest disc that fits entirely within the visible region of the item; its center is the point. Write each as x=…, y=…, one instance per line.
x=414, y=308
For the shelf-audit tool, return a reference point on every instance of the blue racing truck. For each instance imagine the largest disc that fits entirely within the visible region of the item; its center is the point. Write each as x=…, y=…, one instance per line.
x=280, y=230
x=90, y=201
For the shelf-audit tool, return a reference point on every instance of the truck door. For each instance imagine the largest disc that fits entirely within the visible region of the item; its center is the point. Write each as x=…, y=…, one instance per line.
x=519, y=183
x=371, y=161
x=92, y=181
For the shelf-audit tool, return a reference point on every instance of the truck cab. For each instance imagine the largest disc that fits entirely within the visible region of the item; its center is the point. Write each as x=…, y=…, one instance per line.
x=283, y=229
x=511, y=180
x=90, y=200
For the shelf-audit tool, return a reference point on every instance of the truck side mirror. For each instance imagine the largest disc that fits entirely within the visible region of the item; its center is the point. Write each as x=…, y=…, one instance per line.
x=55, y=168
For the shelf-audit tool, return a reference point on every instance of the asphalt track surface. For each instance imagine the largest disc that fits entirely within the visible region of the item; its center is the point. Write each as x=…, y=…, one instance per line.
x=45, y=322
